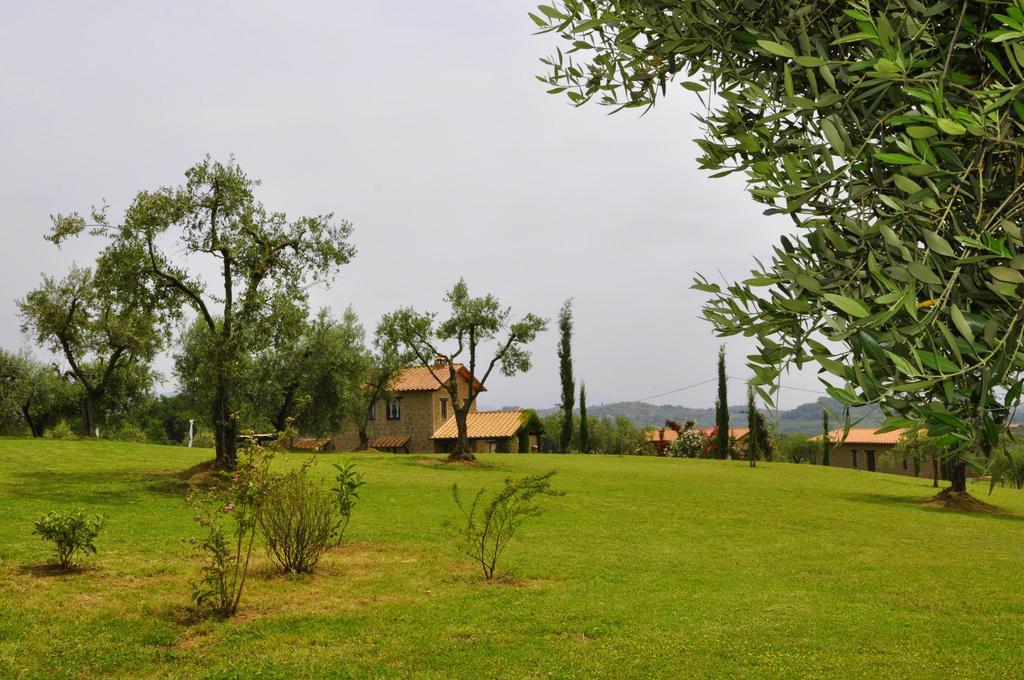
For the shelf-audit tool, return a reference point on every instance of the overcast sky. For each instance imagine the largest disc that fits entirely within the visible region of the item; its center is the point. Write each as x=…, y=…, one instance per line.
x=420, y=122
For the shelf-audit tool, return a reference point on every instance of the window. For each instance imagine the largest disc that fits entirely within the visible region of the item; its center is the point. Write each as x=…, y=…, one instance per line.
x=854, y=459
x=394, y=409
x=444, y=409
x=373, y=411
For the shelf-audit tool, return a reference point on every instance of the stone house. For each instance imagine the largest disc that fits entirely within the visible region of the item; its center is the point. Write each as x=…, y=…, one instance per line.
x=866, y=449
x=418, y=417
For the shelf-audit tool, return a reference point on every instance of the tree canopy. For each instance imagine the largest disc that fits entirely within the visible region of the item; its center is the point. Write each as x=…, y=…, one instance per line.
x=257, y=253
x=890, y=134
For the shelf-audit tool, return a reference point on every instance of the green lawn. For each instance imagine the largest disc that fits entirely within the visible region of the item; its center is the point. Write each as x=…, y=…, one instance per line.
x=648, y=567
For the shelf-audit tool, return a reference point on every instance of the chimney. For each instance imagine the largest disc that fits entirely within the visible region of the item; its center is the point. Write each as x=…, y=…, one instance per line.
x=440, y=361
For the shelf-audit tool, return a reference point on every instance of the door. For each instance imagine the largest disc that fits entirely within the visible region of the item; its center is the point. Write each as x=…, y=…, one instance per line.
x=871, y=461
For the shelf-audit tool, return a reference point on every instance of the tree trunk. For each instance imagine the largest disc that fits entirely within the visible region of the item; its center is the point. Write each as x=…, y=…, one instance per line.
x=89, y=415
x=364, y=438
x=935, y=472
x=958, y=476
x=225, y=428
x=36, y=426
x=461, y=451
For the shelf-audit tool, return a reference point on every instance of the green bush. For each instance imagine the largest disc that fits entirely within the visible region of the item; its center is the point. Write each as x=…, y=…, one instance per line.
x=203, y=440
x=300, y=521
x=1007, y=467
x=71, y=532
x=490, y=525
x=347, y=493
x=61, y=431
x=128, y=432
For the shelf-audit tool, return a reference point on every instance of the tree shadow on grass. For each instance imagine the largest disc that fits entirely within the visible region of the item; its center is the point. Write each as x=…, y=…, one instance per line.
x=51, y=570
x=921, y=503
x=92, y=488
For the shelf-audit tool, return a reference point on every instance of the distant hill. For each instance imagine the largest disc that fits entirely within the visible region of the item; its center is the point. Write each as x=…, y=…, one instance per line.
x=805, y=418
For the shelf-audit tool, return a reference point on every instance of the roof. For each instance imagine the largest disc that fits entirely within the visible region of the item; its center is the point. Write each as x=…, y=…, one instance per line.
x=736, y=433
x=484, y=425
x=310, y=443
x=388, y=442
x=864, y=435
x=424, y=379
x=671, y=435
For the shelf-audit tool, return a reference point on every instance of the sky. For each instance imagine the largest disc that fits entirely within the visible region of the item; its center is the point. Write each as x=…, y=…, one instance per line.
x=423, y=124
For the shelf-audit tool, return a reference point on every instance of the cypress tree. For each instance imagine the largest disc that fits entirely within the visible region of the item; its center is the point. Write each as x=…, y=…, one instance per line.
x=565, y=371
x=584, y=427
x=754, y=425
x=722, y=409
x=825, y=441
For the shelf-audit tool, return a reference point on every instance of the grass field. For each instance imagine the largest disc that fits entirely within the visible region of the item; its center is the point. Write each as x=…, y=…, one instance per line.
x=648, y=567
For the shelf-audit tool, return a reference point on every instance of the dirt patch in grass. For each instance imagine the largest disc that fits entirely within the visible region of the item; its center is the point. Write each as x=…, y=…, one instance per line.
x=200, y=475
x=964, y=502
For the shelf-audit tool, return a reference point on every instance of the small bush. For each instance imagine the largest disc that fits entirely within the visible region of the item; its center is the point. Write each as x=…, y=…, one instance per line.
x=347, y=493
x=490, y=525
x=61, y=431
x=128, y=432
x=71, y=532
x=203, y=440
x=300, y=521
x=227, y=513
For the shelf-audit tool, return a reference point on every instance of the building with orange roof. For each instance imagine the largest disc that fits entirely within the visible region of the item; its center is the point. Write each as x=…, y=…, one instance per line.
x=663, y=436
x=417, y=416
x=865, y=448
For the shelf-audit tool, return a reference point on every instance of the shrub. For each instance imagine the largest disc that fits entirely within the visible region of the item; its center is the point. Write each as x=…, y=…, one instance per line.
x=798, y=448
x=71, y=532
x=689, y=443
x=347, y=492
x=490, y=525
x=300, y=521
x=61, y=431
x=1008, y=468
x=227, y=513
x=128, y=432
x=202, y=440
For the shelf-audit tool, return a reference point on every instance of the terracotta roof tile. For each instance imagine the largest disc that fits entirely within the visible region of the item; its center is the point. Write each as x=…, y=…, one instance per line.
x=422, y=379
x=310, y=443
x=864, y=435
x=671, y=435
x=388, y=442
x=484, y=425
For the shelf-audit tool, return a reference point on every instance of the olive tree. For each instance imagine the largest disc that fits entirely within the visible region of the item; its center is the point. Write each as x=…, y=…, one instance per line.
x=473, y=324
x=103, y=322
x=32, y=393
x=213, y=222
x=889, y=133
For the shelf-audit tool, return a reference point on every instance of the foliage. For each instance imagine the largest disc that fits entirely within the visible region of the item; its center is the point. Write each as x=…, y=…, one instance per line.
x=102, y=323
x=32, y=394
x=889, y=134
x=382, y=365
x=916, y=447
x=565, y=374
x=826, y=440
x=489, y=525
x=584, y=423
x=299, y=520
x=1007, y=467
x=474, y=322
x=228, y=515
x=347, y=493
x=722, y=444
x=215, y=219
x=689, y=443
x=61, y=431
x=754, y=424
x=798, y=448
x=71, y=532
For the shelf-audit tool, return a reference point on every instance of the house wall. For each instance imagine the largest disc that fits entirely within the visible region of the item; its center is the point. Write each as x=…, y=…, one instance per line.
x=885, y=459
